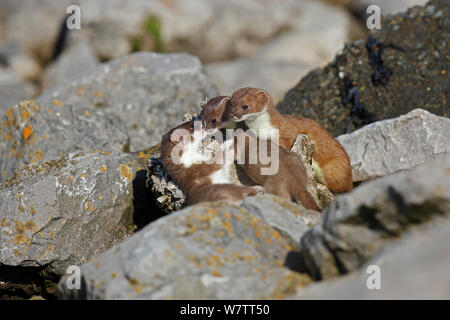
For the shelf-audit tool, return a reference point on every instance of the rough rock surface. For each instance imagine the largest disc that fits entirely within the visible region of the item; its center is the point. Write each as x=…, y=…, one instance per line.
x=216, y=250
x=31, y=132
x=70, y=65
x=385, y=147
x=257, y=73
x=229, y=30
x=16, y=60
x=360, y=224
x=148, y=91
x=419, y=73
x=308, y=44
x=415, y=268
x=13, y=91
x=63, y=212
x=288, y=218
x=35, y=24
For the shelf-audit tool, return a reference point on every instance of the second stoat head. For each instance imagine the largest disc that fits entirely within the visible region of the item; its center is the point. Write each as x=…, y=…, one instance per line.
x=248, y=102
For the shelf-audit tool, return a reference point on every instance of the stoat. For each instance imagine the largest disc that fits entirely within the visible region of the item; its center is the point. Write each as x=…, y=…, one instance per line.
x=288, y=177
x=330, y=160
x=202, y=182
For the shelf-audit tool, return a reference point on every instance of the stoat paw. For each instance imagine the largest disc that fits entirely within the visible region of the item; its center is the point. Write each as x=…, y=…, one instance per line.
x=258, y=189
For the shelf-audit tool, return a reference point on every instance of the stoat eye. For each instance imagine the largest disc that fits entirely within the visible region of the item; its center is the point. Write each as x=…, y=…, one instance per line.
x=192, y=127
x=245, y=107
x=214, y=120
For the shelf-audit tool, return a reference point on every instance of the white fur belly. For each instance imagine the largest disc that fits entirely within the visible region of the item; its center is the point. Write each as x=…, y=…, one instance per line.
x=260, y=123
x=191, y=155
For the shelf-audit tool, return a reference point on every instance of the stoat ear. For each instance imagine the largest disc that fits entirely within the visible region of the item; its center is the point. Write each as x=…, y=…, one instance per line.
x=224, y=100
x=204, y=103
x=263, y=97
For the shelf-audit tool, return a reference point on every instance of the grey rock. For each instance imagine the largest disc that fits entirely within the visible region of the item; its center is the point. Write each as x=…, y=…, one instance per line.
x=360, y=224
x=16, y=60
x=64, y=212
x=209, y=251
x=288, y=218
x=320, y=33
x=35, y=24
x=385, y=147
x=308, y=43
x=257, y=73
x=147, y=91
x=13, y=91
x=414, y=268
x=32, y=132
x=71, y=64
x=228, y=29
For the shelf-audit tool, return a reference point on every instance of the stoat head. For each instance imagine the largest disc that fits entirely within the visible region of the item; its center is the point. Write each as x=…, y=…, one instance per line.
x=187, y=132
x=247, y=103
x=214, y=113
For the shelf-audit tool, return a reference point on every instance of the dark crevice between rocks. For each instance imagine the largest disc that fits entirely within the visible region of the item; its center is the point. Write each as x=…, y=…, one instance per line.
x=21, y=283
x=61, y=41
x=144, y=202
x=295, y=262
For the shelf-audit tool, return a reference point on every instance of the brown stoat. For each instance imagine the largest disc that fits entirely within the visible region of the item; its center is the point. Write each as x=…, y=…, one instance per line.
x=330, y=160
x=286, y=180
x=216, y=113
x=200, y=181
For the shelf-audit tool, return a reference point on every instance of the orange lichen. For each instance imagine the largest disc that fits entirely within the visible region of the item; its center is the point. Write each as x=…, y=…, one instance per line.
x=228, y=227
x=80, y=91
x=216, y=274
x=89, y=206
x=126, y=172
x=27, y=132
x=104, y=168
x=36, y=156
x=57, y=103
